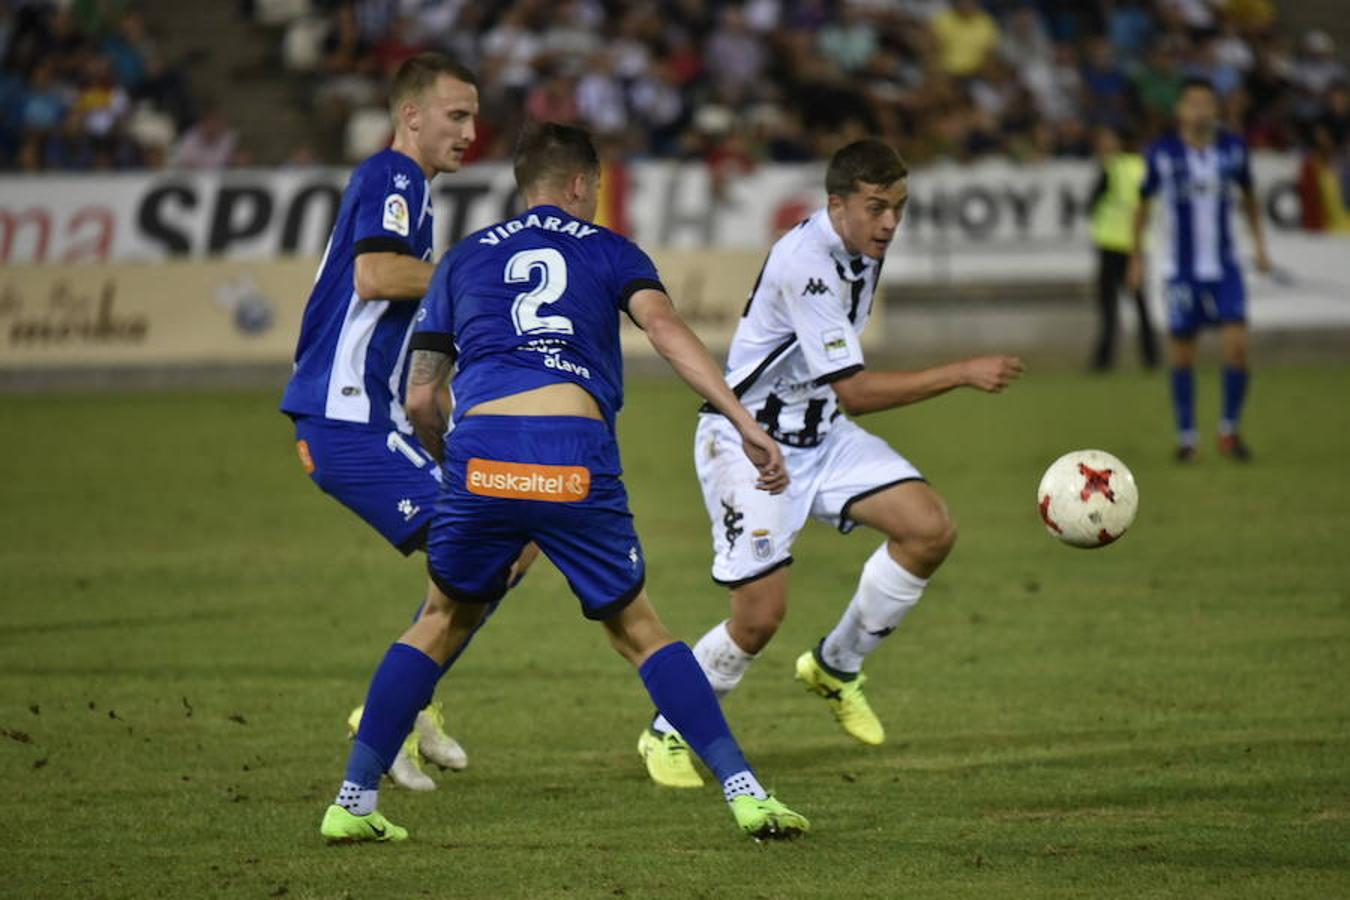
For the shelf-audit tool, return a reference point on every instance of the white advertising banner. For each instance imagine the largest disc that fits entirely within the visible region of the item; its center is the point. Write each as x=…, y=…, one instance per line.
x=989, y=223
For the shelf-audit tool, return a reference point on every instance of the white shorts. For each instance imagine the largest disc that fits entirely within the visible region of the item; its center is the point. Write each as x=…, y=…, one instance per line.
x=753, y=530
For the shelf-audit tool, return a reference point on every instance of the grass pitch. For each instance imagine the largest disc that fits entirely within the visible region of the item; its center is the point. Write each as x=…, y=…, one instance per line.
x=185, y=621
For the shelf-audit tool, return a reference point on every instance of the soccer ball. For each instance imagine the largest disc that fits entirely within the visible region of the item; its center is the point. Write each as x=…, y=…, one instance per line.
x=1087, y=498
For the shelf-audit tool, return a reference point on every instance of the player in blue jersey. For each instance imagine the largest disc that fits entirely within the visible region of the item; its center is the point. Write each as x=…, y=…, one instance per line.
x=527, y=313
x=1194, y=170
x=347, y=391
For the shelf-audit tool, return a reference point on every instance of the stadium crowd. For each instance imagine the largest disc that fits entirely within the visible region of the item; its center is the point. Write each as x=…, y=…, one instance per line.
x=734, y=83
x=84, y=86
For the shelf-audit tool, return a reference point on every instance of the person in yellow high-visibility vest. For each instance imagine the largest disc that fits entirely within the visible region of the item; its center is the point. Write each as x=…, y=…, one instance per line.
x=1112, y=208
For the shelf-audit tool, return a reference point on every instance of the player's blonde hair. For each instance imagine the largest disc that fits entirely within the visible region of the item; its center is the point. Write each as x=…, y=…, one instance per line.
x=417, y=73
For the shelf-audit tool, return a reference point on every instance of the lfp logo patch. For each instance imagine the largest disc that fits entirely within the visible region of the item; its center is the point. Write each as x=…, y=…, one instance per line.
x=396, y=214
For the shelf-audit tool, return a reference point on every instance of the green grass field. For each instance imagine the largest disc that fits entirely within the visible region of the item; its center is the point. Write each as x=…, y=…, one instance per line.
x=185, y=622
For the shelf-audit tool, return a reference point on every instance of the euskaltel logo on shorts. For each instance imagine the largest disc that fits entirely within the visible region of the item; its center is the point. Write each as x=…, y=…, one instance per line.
x=527, y=481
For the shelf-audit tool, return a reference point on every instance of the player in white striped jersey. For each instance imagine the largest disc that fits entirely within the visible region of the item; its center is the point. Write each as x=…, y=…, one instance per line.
x=796, y=360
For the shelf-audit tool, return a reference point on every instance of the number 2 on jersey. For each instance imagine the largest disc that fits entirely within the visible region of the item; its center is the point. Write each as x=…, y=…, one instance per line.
x=552, y=269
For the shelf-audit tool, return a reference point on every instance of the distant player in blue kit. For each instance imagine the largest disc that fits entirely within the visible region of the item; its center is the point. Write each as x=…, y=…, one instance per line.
x=526, y=313
x=1194, y=169
x=347, y=391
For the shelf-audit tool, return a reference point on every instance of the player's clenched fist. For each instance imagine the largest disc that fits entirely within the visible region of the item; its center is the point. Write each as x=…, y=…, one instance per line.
x=767, y=457
x=992, y=373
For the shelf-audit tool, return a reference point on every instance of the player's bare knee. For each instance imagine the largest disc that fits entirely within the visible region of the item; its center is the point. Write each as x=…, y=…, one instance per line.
x=928, y=538
x=759, y=628
x=753, y=624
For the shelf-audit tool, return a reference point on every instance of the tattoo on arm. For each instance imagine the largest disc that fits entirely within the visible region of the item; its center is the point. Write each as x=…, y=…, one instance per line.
x=428, y=367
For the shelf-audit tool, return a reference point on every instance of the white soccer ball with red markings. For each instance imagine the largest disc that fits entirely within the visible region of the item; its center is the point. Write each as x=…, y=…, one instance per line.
x=1087, y=498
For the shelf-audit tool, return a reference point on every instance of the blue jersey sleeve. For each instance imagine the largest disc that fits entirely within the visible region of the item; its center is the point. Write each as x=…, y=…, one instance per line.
x=388, y=205
x=633, y=271
x=1152, y=177
x=434, y=324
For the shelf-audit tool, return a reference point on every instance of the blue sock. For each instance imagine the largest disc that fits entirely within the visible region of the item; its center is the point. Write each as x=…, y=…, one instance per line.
x=401, y=686
x=1234, y=393
x=681, y=692
x=1183, y=403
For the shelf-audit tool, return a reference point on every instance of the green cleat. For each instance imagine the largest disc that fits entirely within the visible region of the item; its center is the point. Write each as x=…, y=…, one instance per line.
x=846, y=700
x=767, y=819
x=343, y=827
x=669, y=761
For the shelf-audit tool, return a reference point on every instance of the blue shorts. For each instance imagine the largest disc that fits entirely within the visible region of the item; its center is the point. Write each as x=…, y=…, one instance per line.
x=385, y=477
x=1192, y=305
x=553, y=480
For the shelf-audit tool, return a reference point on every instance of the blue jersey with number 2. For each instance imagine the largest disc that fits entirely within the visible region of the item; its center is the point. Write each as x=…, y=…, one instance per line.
x=532, y=301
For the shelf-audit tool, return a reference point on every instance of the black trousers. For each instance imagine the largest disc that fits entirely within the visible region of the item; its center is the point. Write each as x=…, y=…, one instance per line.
x=1112, y=268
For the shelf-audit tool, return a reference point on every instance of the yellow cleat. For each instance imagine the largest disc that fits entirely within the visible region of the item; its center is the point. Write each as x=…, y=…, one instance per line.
x=669, y=760
x=845, y=698
x=406, y=770
x=342, y=827
x=768, y=819
x=434, y=743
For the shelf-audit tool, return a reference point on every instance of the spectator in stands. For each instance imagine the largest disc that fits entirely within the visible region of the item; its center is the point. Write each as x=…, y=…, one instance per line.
x=1106, y=84
x=1317, y=67
x=1158, y=81
x=659, y=107
x=1025, y=42
x=735, y=56
x=101, y=102
x=966, y=35
x=1129, y=27
x=600, y=99
x=210, y=144
x=510, y=50
x=399, y=43
x=851, y=42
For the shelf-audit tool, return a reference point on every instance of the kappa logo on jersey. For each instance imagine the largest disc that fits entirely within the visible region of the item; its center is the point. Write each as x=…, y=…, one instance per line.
x=401, y=181
x=396, y=214
x=835, y=344
x=527, y=481
x=408, y=509
x=816, y=286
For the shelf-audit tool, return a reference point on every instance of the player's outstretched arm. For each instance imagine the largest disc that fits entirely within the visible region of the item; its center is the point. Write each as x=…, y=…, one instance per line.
x=867, y=392
x=392, y=276
x=429, y=399
x=671, y=337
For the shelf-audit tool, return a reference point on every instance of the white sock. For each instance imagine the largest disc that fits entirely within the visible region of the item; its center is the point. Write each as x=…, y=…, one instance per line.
x=742, y=783
x=357, y=800
x=886, y=593
x=722, y=660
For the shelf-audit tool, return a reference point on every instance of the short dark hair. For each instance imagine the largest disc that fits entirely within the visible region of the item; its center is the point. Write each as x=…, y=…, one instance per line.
x=1194, y=82
x=551, y=151
x=417, y=73
x=868, y=160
